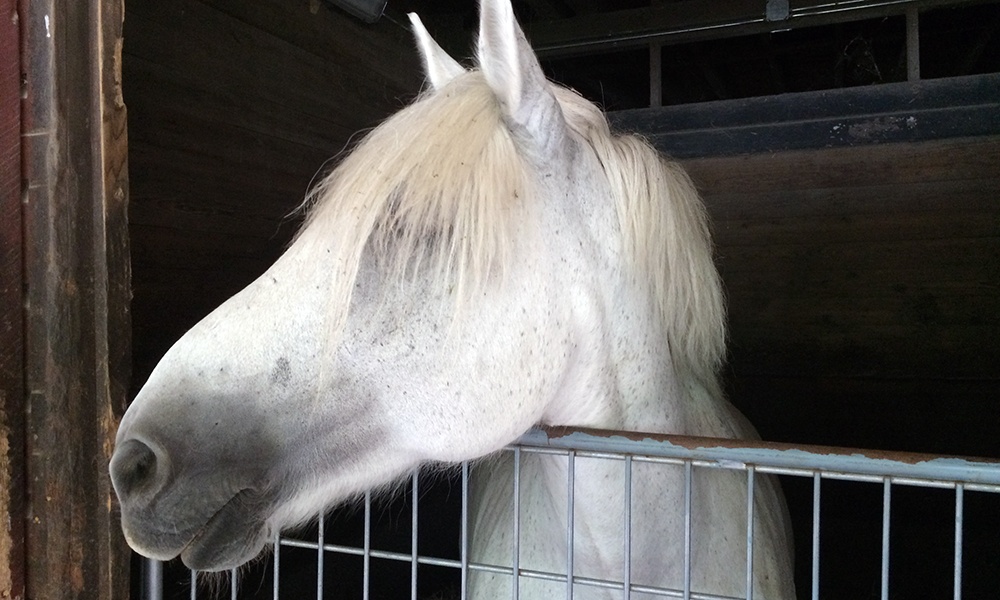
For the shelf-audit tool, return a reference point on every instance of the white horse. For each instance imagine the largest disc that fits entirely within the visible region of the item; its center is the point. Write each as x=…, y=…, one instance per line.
x=490, y=258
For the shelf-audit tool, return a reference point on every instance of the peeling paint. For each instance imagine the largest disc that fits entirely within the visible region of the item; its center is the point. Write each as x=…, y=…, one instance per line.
x=880, y=126
x=774, y=457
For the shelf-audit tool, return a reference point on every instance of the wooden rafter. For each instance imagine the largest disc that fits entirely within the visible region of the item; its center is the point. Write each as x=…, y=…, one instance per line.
x=690, y=20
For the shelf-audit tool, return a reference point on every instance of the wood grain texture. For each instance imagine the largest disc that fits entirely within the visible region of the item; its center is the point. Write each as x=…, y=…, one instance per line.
x=12, y=498
x=76, y=281
x=863, y=273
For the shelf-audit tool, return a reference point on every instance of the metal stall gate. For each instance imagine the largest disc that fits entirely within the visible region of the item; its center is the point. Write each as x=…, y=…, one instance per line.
x=815, y=468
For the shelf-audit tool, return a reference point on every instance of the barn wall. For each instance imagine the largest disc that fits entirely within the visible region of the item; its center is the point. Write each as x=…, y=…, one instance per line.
x=863, y=292
x=234, y=106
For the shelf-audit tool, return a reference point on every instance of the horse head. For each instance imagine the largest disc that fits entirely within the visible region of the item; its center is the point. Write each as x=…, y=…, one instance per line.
x=489, y=258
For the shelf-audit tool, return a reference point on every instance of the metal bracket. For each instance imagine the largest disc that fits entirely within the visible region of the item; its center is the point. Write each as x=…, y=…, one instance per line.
x=776, y=10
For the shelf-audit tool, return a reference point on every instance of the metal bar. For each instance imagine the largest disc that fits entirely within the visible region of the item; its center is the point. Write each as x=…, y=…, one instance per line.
x=516, y=542
x=153, y=575
x=912, y=43
x=931, y=109
x=366, y=571
x=464, y=541
x=486, y=568
x=617, y=585
x=194, y=585
x=414, y=516
x=822, y=458
x=886, y=517
x=526, y=573
x=817, y=481
x=632, y=28
x=909, y=469
x=233, y=587
x=750, y=495
x=627, y=530
x=687, y=530
x=570, y=509
x=959, y=518
x=276, y=565
x=319, y=557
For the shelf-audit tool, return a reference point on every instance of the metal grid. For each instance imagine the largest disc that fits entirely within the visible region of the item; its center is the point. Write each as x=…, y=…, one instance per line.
x=818, y=464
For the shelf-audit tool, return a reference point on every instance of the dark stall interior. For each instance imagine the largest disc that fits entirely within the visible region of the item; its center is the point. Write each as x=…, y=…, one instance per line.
x=862, y=265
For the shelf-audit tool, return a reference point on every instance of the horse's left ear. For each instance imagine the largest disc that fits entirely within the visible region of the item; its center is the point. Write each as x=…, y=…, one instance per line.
x=512, y=70
x=439, y=66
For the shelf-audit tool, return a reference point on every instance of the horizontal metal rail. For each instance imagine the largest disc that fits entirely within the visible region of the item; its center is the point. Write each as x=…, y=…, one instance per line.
x=980, y=474
x=887, y=469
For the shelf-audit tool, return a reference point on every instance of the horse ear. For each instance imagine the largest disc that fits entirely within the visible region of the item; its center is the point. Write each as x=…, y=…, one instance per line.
x=512, y=71
x=439, y=67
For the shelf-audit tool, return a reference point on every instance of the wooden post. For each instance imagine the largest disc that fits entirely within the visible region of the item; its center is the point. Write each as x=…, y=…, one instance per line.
x=655, y=75
x=912, y=43
x=655, y=69
x=11, y=314
x=76, y=281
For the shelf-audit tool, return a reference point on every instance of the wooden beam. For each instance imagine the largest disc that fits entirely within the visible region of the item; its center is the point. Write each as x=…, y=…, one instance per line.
x=895, y=112
x=691, y=20
x=76, y=277
x=12, y=497
x=549, y=9
x=584, y=7
x=873, y=262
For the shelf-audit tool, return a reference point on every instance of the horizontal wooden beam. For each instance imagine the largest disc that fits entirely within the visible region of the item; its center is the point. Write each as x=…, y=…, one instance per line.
x=894, y=112
x=693, y=20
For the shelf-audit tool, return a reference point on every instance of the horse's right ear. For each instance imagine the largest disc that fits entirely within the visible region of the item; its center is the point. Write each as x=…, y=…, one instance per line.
x=513, y=72
x=439, y=67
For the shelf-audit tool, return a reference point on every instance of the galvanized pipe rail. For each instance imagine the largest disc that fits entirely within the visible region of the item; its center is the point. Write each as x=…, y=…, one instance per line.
x=980, y=474
x=752, y=457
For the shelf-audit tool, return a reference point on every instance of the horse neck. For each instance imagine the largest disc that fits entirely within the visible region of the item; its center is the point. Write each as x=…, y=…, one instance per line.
x=658, y=397
x=623, y=376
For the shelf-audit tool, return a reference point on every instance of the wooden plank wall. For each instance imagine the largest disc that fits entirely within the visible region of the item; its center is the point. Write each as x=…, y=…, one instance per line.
x=234, y=106
x=864, y=301
x=864, y=292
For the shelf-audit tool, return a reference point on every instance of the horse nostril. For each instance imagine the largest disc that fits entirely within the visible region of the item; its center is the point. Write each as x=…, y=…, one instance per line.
x=133, y=468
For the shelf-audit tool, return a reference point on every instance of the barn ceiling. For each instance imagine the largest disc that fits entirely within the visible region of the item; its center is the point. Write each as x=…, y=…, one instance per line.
x=725, y=49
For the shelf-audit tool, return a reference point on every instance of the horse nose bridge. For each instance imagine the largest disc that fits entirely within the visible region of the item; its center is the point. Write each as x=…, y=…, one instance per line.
x=138, y=469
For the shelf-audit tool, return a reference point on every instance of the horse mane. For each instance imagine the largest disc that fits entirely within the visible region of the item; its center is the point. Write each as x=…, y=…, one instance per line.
x=440, y=187
x=665, y=230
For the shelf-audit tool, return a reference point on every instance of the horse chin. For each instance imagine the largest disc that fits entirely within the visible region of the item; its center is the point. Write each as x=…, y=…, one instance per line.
x=234, y=535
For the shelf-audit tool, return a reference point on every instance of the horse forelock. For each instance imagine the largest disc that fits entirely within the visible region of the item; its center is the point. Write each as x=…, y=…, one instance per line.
x=436, y=189
x=440, y=187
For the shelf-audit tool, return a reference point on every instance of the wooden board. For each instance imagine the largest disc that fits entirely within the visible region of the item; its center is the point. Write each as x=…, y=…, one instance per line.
x=75, y=256
x=856, y=116
x=12, y=498
x=869, y=272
